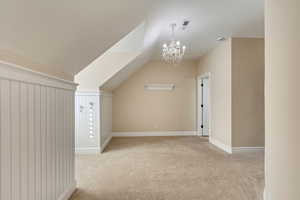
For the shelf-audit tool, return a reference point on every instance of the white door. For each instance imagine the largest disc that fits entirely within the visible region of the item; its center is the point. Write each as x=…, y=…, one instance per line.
x=205, y=107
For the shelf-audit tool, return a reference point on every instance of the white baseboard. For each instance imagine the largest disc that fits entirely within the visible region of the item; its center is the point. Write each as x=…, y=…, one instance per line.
x=105, y=144
x=92, y=150
x=154, y=133
x=220, y=145
x=199, y=133
x=247, y=149
x=68, y=193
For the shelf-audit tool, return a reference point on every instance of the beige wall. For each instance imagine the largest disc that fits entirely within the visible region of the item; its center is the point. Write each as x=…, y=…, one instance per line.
x=237, y=91
x=10, y=57
x=248, y=64
x=282, y=99
x=135, y=109
x=218, y=63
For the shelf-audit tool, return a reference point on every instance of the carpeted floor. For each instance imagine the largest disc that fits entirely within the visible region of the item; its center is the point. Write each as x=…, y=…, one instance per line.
x=169, y=168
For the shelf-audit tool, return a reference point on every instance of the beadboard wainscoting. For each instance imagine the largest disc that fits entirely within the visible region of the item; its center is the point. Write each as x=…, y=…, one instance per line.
x=36, y=135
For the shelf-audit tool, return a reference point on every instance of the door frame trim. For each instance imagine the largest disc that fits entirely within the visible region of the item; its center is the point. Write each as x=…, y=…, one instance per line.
x=199, y=101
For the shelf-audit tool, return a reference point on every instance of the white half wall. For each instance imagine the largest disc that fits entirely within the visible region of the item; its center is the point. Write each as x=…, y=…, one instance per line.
x=36, y=135
x=105, y=119
x=87, y=122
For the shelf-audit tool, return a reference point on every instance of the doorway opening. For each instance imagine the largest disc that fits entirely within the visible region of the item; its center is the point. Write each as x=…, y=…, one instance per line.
x=204, y=105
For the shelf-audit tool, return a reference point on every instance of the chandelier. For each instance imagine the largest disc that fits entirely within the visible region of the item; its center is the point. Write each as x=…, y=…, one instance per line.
x=173, y=52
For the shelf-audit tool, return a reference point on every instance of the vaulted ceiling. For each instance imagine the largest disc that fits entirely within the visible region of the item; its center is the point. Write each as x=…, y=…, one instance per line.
x=70, y=34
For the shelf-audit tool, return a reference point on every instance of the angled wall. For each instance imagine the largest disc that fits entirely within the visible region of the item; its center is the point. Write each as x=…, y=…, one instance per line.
x=110, y=70
x=93, y=76
x=112, y=61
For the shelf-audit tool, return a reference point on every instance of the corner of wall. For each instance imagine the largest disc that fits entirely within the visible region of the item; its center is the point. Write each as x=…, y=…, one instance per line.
x=105, y=118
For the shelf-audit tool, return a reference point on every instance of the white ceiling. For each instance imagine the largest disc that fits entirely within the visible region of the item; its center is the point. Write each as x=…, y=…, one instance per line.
x=130, y=68
x=209, y=19
x=70, y=34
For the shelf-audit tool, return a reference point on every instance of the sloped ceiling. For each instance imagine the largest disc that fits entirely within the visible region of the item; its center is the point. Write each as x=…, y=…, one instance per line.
x=68, y=35
x=208, y=21
x=112, y=61
x=117, y=79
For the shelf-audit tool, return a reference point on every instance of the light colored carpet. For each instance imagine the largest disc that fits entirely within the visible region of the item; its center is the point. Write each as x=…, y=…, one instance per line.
x=169, y=168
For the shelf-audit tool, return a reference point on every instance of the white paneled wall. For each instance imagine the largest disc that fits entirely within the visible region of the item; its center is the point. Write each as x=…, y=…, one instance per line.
x=87, y=122
x=36, y=135
x=93, y=126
